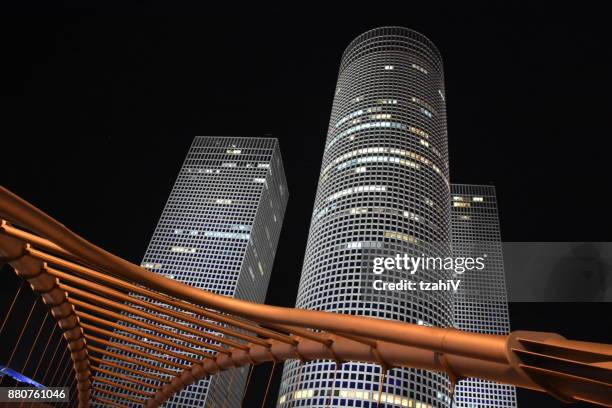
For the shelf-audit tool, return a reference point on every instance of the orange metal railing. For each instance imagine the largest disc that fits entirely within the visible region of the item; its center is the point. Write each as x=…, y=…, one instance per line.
x=167, y=335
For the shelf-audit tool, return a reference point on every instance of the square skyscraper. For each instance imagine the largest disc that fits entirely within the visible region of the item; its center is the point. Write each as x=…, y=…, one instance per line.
x=219, y=231
x=481, y=303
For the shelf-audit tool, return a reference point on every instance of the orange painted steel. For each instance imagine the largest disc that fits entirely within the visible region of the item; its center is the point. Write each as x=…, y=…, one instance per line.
x=140, y=334
x=123, y=387
x=154, y=318
x=127, y=378
x=81, y=270
x=120, y=396
x=132, y=361
x=125, y=368
x=139, y=353
x=54, y=260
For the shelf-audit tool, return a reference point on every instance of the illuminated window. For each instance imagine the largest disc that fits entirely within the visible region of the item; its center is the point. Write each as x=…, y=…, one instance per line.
x=368, y=159
x=373, y=396
x=349, y=117
x=381, y=116
x=151, y=265
x=422, y=103
x=385, y=124
x=360, y=189
x=418, y=132
x=420, y=68
x=228, y=235
x=181, y=249
x=426, y=112
x=463, y=205
x=400, y=236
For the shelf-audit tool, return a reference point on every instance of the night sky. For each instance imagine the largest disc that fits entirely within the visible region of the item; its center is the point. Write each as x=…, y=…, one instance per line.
x=101, y=105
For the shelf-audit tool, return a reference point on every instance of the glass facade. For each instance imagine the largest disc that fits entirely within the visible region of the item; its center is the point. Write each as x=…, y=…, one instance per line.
x=481, y=303
x=218, y=231
x=383, y=189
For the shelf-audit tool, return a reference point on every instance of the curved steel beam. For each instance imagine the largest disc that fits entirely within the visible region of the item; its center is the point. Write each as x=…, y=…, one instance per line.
x=472, y=344
x=571, y=371
x=34, y=272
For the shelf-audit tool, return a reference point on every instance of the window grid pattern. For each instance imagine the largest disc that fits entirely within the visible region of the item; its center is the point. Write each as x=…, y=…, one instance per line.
x=218, y=231
x=481, y=303
x=383, y=190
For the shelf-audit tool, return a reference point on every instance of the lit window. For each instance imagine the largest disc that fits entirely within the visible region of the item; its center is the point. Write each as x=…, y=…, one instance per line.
x=388, y=67
x=400, y=236
x=357, y=394
x=233, y=151
x=349, y=117
x=183, y=249
x=360, y=189
x=228, y=235
x=422, y=103
x=420, y=68
x=358, y=210
x=400, y=152
x=462, y=205
x=426, y=112
x=418, y=132
x=384, y=124
x=381, y=116
x=478, y=199
x=151, y=265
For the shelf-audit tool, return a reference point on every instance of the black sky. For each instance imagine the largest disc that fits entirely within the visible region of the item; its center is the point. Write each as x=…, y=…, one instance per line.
x=101, y=105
